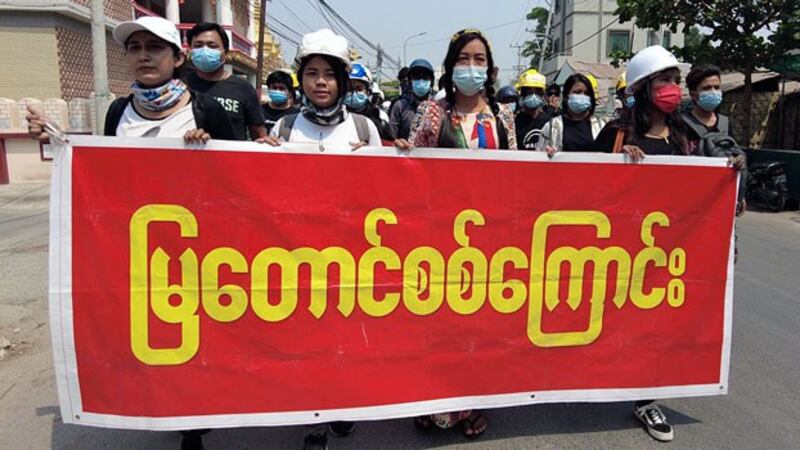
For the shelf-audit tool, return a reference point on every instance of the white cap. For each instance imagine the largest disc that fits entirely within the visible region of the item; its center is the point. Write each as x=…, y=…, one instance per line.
x=646, y=62
x=161, y=27
x=324, y=42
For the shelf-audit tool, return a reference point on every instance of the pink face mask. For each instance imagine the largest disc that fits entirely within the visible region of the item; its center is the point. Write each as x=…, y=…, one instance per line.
x=667, y=98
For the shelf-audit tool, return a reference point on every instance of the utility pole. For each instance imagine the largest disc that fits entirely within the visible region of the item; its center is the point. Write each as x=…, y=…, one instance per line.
x=379, y=64
x=518, y=68
x=546, y=35
x=599, y=34
x=260, y=62
x=102, y=96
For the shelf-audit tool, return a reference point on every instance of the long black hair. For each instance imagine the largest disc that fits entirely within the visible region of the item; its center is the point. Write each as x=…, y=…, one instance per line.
x=339, y=68
x=643, y=111
x=577, y=78
x=462, y=38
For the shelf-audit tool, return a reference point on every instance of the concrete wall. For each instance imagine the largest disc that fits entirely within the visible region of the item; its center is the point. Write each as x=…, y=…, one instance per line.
x=24, y=161
x=29, y=63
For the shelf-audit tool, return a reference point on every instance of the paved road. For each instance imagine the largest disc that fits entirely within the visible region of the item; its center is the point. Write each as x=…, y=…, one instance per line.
x=761, y=410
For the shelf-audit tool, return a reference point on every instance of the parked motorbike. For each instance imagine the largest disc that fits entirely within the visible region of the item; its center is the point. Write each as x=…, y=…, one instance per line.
x=766, y=184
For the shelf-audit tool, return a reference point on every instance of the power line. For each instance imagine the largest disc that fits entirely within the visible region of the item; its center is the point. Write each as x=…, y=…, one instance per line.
x=347, y=24
x=433, y=41
x=592, y=35
x=296, y=17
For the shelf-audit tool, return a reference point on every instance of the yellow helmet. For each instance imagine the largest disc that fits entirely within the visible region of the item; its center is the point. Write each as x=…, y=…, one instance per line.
x=295, y=83
x=621, y=82
x=595, y=86
x=531, y=78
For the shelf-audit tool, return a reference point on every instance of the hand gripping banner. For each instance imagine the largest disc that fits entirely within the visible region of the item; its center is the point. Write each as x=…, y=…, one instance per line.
x=241, y=285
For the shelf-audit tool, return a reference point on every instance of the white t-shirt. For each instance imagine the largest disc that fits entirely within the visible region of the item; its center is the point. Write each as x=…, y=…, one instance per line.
x=131, y=124
x=334, y=138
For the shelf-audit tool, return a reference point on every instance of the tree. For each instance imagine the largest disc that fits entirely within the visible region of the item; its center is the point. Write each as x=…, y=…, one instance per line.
x=744, y=34
x=533, y=48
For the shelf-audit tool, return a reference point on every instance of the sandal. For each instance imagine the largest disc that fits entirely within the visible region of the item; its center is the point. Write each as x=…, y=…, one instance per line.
x=423, y=423
x=474, y=425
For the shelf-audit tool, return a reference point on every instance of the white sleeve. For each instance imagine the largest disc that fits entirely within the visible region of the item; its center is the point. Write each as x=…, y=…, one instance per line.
x=544, y=137
x=275, y=128
x=374, y=135
x=383, y=116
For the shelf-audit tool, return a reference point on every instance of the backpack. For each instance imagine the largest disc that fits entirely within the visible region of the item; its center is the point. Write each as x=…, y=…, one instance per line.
x=287, y=123
x=718, y=143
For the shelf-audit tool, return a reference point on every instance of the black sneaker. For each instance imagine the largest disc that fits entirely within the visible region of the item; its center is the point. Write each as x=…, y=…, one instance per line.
x=341, y=429
x=654, y=421
x=316, y=442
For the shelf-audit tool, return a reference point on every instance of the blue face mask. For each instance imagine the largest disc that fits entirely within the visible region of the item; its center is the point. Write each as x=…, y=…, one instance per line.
x=469, y=80
x=278, y=97
x=709, y=100
x=532, y=101
x=629, y=101
x=579, y=103
x=421, y=88
x=512, y=106
x=206, y=59
x=355, y=100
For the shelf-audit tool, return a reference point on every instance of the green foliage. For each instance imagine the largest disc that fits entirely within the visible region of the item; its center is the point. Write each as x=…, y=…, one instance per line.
x=538, y=15
x=740, y=36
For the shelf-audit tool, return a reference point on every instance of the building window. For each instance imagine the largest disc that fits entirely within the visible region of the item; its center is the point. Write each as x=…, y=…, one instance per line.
x=557, y=46
x=618, y=41
x=568, y=43
x=666, y=41
x=557, y=6
x=652, y=38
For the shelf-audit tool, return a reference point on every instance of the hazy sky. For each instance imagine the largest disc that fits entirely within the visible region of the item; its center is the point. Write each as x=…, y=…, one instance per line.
x=391, y=22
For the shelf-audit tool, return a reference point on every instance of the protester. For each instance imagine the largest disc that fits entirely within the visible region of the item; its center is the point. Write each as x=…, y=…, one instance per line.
x=280, y=93
x=531, y=117
x=508, y=96
x=161, y=105
x=357, y=100
x=323, y=61
x=705, y=89
x=656, y=129
x=553, y=107
x=404, y=85
x=577, y=127
x=402, y=113
x=209, y=44
x=468, y=116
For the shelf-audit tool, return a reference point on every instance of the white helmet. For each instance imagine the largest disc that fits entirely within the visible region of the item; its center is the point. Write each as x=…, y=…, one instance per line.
x=647, y=62
x=324, y=42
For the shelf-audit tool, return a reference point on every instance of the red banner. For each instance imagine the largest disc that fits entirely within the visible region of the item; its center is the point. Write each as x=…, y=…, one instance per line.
x=238, y=285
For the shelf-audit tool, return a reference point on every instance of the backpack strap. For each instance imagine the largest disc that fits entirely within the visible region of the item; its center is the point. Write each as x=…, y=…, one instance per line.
x=696, y=126
x=723, y=124
x=114, y=115
x=362, y=128
x=287, y=123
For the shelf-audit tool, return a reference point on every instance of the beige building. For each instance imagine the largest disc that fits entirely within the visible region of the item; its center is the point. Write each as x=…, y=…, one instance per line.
x=587, y=31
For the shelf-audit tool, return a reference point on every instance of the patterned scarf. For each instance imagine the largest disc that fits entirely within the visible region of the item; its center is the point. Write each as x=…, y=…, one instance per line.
x=334, y=115
x=159, y=98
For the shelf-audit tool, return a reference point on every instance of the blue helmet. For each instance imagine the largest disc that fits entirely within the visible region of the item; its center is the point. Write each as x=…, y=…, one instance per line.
x=507, y=94
x=420, y=64
x=360, y=72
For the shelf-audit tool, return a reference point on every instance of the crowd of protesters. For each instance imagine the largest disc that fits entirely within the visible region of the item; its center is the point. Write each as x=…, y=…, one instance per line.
x=335, y=104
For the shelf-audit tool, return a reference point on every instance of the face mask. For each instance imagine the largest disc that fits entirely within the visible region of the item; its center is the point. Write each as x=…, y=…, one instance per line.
x=667, y=98
x=709, y=100
x=469, y=80
x=421, y=87
x=159, y=98
x=278, y=97
x=206, y=59
x=532, y=101
x=629, y=102
x=512, y=107
x=579, y=103
x=355, y=100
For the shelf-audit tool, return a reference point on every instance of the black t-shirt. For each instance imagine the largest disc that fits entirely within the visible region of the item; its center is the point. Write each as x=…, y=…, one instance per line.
x=529, y=129
x=608, y=135
x=577, y=136
x=272, y=115
x=237, y=97
x=659, y=146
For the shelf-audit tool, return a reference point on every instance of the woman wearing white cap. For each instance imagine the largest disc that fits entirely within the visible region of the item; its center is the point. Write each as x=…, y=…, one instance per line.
x=323, y=60
x=161, y=104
